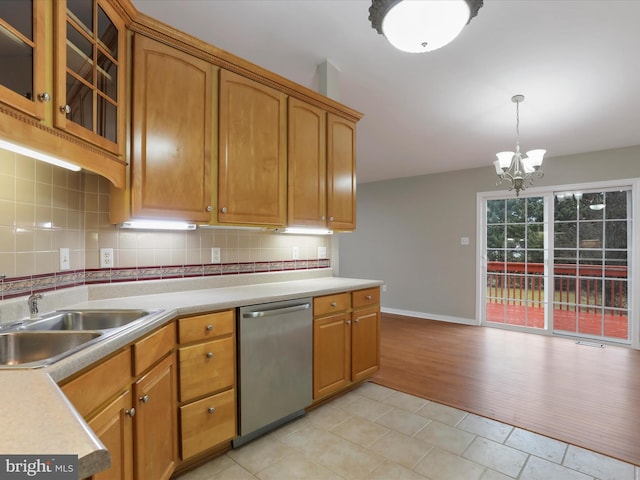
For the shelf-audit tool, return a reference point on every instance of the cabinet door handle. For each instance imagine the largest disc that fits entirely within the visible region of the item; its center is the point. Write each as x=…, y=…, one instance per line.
x=209, y=328
x=144, y=399
x=209, y=208
x=331, y=219
x=348, y=322
x=65, y=109
x=356, y=320
x=368, y=297
x=211, y=409
x=44, y=97
x=131, y=412
x=223, y=210
x=209, y=354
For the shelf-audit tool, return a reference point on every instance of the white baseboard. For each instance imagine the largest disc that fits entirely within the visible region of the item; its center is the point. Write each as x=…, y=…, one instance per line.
x=430, y=316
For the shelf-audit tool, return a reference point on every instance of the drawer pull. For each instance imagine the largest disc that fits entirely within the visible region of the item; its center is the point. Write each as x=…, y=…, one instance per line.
x=209, y=354
x=211, y=409
x=131, y=412
x=209, y=328
x=356, y=321
x=334, y=304
x=144, y=399
x=368, y=297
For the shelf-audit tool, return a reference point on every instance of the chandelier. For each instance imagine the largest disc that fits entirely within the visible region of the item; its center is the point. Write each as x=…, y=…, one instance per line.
x=419, y=26
x=514, y=170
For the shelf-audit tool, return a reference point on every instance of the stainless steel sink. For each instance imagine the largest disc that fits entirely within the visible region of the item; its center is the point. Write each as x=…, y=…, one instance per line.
x=41, y=348
x=86, y=319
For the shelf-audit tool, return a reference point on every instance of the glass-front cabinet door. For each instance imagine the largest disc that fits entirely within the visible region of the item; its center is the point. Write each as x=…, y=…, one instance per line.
x=90, y=75
x=22, y=56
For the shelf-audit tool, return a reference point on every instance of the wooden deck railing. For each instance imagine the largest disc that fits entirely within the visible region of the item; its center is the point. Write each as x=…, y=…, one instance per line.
x=520, y=283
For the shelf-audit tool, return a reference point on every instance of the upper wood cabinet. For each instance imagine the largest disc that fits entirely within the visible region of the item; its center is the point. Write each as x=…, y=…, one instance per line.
x=65, y=97
x=89, y=99
x=341, y=173
x=252, y=153
x=307, y=165
x=171, y=129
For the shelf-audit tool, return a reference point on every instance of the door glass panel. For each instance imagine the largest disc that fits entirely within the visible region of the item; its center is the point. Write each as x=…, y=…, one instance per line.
x=592, y=235
x=81, y=11
x=16, y=58
x=107, y=33
x=107, y=76
x=515, y=272
x=18, y=14
x=79, y=54
x=17, y=47
x=107, y=120
x=80, y=99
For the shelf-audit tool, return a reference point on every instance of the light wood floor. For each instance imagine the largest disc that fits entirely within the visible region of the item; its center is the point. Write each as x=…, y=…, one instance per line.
x=583, y=395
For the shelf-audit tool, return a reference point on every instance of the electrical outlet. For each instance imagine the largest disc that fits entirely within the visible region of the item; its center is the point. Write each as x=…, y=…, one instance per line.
x=215, y=255
x=65, y=261
x=384, y=288
x=106, y=258
x=322, y=252
x=295, y=253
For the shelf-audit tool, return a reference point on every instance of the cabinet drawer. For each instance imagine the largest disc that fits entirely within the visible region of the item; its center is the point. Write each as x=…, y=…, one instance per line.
x=206, y=368
x=153, y=347
x=207, y=422
x=331, y=303
x=203, y=327
x=91, y=389
x=364, y=298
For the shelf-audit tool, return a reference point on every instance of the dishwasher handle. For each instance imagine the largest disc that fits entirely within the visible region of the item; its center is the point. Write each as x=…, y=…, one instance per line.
x=276, y=311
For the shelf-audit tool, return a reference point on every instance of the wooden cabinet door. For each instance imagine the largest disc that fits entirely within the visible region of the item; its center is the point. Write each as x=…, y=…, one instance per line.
x=89, y=65
x=307, y=165
x=114, y=426
x=22, y=56
x=365, y=346
x=252, y=156
x=331, y=354
x=171, y=133
x=155, y=432
x=341, y=173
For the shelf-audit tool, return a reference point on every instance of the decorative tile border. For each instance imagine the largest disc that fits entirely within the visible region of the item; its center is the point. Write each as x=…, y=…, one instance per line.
x=22, y=286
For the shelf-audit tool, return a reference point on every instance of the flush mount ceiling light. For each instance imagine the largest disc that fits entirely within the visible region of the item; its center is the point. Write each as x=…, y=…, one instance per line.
x=513, y=170
x=419, y=26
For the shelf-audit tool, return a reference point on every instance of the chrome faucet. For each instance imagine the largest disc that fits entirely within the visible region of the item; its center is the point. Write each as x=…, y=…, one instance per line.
x=33, y=304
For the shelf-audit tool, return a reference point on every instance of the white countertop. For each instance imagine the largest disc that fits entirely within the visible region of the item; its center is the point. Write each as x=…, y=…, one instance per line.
x=42, y=419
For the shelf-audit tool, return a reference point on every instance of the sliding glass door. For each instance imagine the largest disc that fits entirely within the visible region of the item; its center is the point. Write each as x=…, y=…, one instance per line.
x=559, y=263
x=591, y=264
x=515, y=262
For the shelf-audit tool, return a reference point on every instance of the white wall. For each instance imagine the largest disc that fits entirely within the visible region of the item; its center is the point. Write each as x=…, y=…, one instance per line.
x=409, y=231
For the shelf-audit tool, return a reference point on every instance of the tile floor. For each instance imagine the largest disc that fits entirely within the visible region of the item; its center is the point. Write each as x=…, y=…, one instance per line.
x=375, y=433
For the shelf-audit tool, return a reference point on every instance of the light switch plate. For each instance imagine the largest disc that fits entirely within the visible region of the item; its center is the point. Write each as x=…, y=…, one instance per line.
x=65, y=261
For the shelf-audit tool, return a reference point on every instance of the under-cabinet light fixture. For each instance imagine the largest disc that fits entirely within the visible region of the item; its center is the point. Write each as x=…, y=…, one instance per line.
x=305, y=231
x=28, y=152
x=148, y=224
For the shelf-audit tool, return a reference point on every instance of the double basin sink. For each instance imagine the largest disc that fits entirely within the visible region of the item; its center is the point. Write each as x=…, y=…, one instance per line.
x=53, y=336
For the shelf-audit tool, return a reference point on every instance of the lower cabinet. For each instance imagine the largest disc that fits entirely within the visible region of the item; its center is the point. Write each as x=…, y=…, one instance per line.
x=346, y=340
x=155, y=432
x=207, y=364
x=133, y=414
x=114, y=426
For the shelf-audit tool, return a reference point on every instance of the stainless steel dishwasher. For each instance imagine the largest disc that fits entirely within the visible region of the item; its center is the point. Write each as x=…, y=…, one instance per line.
x=275, y=365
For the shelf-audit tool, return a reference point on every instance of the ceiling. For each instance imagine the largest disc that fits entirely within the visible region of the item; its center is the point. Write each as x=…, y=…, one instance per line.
x=576, y=62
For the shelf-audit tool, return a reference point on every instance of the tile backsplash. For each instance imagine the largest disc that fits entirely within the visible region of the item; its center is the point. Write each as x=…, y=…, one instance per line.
x=44, y=208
